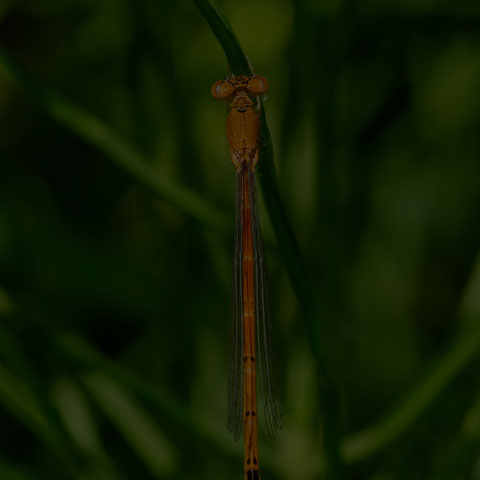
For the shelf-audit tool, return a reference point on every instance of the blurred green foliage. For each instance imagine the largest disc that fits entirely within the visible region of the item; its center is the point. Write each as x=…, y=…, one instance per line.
x=116, y=216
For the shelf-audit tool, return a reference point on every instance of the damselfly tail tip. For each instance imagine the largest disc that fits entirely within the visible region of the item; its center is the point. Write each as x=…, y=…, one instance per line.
x=252, y=475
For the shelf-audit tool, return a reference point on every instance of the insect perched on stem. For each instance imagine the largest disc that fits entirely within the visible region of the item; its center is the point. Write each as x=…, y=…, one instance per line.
x=251, y=339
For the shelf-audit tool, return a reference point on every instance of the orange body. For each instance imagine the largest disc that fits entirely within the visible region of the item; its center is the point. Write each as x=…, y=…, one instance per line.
x=250, y=417
x=242, y=133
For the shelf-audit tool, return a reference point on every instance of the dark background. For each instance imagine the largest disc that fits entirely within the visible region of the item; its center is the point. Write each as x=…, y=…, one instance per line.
x=115, y=303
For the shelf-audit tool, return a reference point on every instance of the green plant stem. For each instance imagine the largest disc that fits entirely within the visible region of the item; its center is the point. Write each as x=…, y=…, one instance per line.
x=287, y=243
x=96, y=133
x=222, y=30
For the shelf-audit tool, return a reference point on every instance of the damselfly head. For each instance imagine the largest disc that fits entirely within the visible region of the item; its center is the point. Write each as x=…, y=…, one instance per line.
x=224, y=89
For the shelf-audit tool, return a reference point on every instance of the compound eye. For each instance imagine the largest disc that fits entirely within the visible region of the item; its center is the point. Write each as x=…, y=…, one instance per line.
x=258, y=85
x=222, y=90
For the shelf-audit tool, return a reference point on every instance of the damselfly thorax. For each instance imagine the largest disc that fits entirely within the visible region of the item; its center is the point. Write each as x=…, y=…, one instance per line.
x=242, y=119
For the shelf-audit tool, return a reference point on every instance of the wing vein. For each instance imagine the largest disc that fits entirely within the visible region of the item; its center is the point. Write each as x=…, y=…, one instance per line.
x=235, y=393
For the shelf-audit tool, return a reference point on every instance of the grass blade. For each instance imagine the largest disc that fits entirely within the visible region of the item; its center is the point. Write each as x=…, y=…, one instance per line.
x=136, y=425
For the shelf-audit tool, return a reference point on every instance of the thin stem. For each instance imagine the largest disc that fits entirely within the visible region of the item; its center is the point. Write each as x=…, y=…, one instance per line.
x=222, y=30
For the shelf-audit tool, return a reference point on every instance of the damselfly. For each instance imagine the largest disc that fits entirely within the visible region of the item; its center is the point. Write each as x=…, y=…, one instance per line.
x=252, y=342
